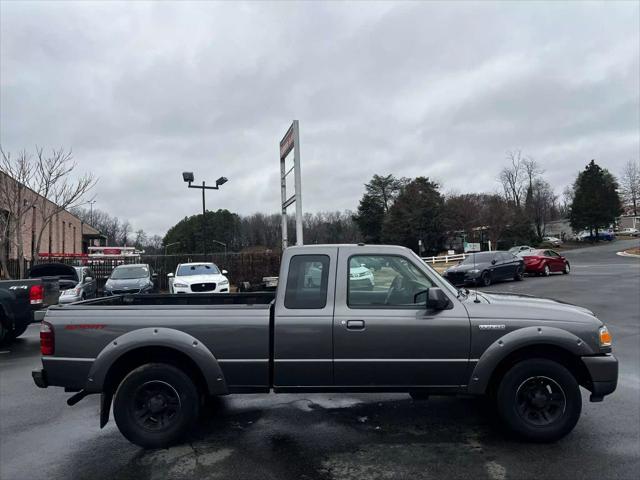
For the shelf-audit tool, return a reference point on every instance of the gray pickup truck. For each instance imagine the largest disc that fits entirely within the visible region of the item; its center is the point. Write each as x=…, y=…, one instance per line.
x=404, y=329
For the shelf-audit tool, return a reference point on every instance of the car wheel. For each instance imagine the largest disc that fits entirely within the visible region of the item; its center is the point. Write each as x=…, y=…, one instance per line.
x=4, y=333
x=547, y=271
x=519, y=273
x=567, y=268
x=156, y=405
x=539, y=400
x=485, y=279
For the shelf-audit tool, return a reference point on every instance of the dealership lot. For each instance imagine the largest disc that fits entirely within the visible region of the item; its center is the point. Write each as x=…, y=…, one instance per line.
x=347, y=436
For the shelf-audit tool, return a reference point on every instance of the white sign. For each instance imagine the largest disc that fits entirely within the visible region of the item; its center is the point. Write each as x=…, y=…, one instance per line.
x=471, y=247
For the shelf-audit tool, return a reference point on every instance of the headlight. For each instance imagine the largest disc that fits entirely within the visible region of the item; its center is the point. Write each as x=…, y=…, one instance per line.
x=605, y=337
x=180, y=285
x=474, y=271
x=224, y=282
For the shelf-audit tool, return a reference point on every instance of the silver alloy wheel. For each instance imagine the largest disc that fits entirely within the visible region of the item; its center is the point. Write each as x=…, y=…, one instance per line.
x=547, y=271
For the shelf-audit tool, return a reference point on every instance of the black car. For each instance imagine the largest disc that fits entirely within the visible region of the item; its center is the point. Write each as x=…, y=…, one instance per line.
x=131, y=279
x=483, y=268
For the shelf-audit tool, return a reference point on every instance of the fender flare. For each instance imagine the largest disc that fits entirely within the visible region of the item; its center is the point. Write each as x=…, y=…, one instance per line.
x=158, y=337
x=517, y=339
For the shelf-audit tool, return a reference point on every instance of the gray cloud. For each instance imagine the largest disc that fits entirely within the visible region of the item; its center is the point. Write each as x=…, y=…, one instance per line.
x=144, y=91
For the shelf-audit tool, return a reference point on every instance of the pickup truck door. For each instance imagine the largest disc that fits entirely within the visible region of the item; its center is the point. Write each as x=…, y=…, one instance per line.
x=382, y=338
x=303, y=346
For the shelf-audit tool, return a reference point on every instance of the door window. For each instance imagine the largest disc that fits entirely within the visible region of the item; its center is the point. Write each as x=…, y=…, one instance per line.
x=307, y=282
x=385, y=281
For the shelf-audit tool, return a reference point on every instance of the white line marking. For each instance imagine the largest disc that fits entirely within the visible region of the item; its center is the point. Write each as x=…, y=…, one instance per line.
x=495, y=471
x=6, y=351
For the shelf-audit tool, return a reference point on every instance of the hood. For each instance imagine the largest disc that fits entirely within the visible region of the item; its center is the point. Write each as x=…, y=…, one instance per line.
x=121, y=283
x=511, y=306
x=189, y=279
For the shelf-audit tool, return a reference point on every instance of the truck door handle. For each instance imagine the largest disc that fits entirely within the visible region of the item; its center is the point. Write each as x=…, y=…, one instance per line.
x=355, y=324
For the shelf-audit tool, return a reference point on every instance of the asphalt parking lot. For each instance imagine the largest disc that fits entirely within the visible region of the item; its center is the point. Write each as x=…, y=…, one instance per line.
x=346, y=436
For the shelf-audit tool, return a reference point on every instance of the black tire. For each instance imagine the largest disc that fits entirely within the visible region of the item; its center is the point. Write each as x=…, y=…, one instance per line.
x=519, y=274
x=485, y=279
x=546, y=270
x=4, y=333
x=156, y=405
x=539, y=400
x=567, y=268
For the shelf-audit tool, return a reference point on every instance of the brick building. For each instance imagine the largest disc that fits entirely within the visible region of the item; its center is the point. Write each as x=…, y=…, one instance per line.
x=65, y=234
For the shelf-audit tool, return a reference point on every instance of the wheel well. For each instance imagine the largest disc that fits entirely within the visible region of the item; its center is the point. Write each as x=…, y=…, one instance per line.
x=550, y=352
x=143, y=355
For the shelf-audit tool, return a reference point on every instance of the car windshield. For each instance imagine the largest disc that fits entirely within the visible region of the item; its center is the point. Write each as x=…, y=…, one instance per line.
x=128, y=273
x=482, y=257
x=199, y=269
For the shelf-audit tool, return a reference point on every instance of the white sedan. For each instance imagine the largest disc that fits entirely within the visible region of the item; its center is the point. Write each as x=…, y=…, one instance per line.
x=198, y=278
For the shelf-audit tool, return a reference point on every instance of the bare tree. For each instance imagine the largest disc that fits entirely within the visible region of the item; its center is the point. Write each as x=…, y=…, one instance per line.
x=17, y=198
x=630, y=184
x=60, y=191
x=513, y=177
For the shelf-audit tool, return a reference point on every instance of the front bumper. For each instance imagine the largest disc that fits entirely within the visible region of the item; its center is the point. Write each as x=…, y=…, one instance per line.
x=460, y=280
x=603, y=370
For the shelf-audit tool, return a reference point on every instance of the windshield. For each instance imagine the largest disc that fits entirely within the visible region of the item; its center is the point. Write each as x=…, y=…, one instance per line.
x=128, y=273
x=482, y=257
x=200, y=269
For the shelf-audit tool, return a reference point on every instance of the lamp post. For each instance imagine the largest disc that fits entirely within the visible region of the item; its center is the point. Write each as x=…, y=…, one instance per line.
x=166, y=247
x=221, y=243
x=188, y=178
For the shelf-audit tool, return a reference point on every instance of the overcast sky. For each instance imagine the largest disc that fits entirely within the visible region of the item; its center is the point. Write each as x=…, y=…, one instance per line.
x=144, y=91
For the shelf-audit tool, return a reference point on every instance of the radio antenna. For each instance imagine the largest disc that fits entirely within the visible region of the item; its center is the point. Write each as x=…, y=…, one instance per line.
x=474, y=267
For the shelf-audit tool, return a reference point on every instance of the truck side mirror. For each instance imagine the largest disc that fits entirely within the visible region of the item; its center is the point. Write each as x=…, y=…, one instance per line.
x=437, y=299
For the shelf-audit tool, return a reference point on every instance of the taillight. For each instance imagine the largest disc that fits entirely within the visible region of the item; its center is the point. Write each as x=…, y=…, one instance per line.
x=47, y=344
x=36, y=294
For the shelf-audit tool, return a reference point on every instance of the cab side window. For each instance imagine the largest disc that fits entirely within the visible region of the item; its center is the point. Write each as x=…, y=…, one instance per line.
x=307, y=282
x=385, y=281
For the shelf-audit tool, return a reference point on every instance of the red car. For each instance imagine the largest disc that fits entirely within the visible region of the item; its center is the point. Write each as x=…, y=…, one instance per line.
x=543, y=262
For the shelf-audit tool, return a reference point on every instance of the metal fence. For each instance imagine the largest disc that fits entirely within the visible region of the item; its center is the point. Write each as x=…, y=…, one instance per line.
x=241, y=267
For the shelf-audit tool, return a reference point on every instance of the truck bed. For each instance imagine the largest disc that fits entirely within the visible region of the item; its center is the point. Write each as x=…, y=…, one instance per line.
x=251, y=298
x=236, y=326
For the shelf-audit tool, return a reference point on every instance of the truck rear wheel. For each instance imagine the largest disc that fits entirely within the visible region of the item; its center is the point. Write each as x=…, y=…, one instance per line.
x=539, y=400
x=156, y=405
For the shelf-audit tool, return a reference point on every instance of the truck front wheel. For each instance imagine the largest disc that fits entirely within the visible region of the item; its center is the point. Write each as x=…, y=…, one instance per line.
x=539, y=400
x=156, y=405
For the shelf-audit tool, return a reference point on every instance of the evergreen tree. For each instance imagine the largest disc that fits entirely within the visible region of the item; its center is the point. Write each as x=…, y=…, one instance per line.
x=596, y=202
x=417, y=214
x=369, y=218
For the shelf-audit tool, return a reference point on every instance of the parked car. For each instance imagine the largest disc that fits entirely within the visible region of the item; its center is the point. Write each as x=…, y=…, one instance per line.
x=200, y=277
x=484, y=268
x=76, y=283
x=131, y=279
x=555, y=241
x=544, y=262
x=23, y=302
x=156, y=357
x=361, y=277
x=587, y=236
x=629, y=232
x=520, y=248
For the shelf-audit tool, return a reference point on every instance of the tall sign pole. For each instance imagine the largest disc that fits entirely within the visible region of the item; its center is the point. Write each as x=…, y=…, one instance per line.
x=291, y=141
